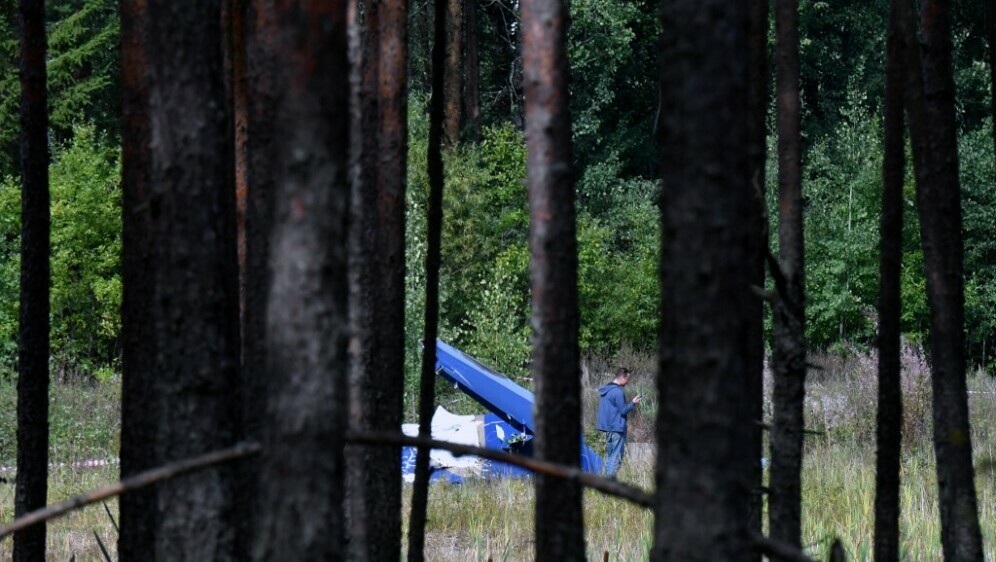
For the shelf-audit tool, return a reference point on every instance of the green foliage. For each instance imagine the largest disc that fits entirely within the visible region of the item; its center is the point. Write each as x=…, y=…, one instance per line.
x=83, y=71
x=85, y=259
x=612, y=50
x=978, y=171
x=484, y=277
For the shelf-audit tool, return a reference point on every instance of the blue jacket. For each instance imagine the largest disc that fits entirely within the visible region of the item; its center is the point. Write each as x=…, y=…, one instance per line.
x=613, y=408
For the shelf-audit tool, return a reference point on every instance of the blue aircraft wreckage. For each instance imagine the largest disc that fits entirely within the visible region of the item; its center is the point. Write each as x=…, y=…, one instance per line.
x=508, y=426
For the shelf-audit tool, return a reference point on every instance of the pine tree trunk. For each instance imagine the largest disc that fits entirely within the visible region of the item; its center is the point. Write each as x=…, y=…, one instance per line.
x=757, y=138
x=454, y=72
x=554, y=266
x=705, y=458
x=138, y=343
x=377, y=275
x=789, y=356
x=259, y=154
x=890, y=405
x=195, y=300
x=473, y=95
x=302, y=471
x=33, y=338
x=934, y=133
x=433, y=257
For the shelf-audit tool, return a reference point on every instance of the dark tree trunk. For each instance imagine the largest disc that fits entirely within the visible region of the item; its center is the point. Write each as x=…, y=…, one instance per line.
x=234, y=23
x=890, y=404
x=302, y=471
x=33, y=345
x=195, y=299
x=434, y=224
x=454, y=71
x=138, y=343
x=257, y=149
x=705, y=458
x=554, y=266
x=789, y=356
x=473, y=70
x=377, y=275
x=935, y=152
x=757, y=131
x=240, y=116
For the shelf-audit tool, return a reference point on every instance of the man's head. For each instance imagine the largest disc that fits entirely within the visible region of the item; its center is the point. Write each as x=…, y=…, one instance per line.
x=622, y=376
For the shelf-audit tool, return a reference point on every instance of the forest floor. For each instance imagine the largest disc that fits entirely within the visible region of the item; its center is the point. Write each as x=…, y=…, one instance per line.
x=482, y=520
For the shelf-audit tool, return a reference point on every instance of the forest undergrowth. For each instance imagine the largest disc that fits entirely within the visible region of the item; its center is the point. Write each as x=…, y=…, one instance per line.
x=482, y=520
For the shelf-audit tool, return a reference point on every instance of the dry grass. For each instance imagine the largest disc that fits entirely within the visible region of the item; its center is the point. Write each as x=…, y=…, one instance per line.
x=483, y=520
x=72, y=535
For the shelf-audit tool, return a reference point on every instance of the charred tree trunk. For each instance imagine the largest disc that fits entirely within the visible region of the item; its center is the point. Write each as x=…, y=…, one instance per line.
x=789, y=357
x=890, y=404
x=257, y=148
x=554, y=266
x=33, y=339
x=704, y=458
x=377, y=269
x=195, y=299
x=454, y=71
x=302, y=471
x=138, y=342
x=473, y=70
x=935, y=153
x=757, y=138
x=240, y=116
x=364, y=48
x=434, y=226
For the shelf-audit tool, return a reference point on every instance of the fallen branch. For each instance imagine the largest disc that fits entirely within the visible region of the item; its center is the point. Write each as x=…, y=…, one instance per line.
x=140, y=480
x=587, y=479
x=777, y=549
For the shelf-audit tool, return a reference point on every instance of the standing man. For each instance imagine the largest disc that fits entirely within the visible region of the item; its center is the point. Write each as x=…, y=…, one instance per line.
x=612, y=412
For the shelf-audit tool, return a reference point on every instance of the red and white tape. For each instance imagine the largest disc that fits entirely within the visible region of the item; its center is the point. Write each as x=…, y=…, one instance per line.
x=88, y=463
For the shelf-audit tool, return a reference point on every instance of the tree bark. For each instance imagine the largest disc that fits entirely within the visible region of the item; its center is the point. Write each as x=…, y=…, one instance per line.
x=138, y=343
x=33, y=340
x=473, y=94
x=454, y=71
x=890, y=404
x=377, y=269
x=704, y=458
x=195, y=299
x=789, y=356
x=302, y=471
x=260, y=155
x=935, y=153
x=757, y=137
x=434, y=226
x=554, y=266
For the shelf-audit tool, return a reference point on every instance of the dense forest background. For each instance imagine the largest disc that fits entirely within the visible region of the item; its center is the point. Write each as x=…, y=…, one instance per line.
x=484, y=287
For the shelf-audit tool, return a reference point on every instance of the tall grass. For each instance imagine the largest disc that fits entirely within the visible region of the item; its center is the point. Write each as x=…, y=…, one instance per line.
x=482, y=520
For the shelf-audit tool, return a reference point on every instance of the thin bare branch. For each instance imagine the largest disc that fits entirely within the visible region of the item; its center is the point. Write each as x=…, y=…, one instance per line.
x=135, y=482
x=587, y=479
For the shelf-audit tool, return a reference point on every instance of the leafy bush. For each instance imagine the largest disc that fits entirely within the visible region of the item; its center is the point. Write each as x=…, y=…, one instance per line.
x=85, y=258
